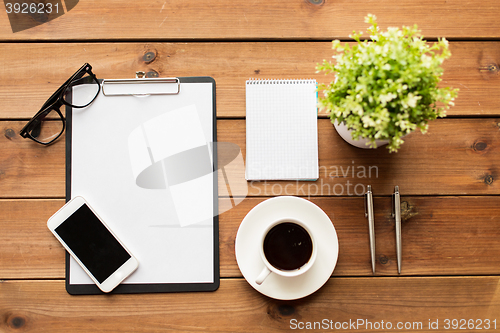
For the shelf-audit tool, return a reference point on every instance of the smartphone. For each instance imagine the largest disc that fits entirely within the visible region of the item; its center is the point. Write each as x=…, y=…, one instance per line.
x=92, y=244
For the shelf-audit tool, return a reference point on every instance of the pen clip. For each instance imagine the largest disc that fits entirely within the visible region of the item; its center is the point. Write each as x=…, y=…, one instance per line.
x=396, y=192
x=368, y=194
x=366, y=204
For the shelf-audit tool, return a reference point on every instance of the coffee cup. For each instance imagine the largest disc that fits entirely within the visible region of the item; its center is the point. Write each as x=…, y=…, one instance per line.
x=287, y=248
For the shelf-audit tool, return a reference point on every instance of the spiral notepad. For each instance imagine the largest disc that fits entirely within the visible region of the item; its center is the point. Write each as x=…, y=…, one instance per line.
x=281, y=130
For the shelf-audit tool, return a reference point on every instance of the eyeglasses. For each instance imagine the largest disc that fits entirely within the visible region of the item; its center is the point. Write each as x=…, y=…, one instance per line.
x=48, y=124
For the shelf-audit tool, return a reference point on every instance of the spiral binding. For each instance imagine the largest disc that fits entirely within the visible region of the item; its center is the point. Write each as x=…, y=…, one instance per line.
x=280, y=81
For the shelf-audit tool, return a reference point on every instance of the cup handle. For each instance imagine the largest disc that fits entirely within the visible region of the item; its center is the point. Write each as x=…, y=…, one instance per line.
x=262, y=276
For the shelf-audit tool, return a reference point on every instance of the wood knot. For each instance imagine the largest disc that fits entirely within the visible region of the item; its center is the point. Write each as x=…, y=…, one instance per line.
x=152, y=73
x=479, y=146
x=16, y=322
x=278, y=311
x=9, y=133
x=149, y=57
x=488, y=179
x=383, y=259
x=407, y=211
x=493, y=68
x=286, y=310
x=316, y=2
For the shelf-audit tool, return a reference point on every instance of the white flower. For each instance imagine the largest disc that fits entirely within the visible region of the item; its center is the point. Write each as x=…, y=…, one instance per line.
x=426, y=61
x=387, y=98
x=412, y=100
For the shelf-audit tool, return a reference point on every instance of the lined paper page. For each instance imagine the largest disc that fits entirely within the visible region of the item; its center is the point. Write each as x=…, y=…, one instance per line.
x=281, y=130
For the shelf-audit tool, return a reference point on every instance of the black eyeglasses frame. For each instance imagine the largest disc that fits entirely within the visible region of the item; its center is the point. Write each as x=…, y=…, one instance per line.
x=56, y=101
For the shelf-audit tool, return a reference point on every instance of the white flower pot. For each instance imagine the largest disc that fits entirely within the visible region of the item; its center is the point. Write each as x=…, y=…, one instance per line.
x=345, y=133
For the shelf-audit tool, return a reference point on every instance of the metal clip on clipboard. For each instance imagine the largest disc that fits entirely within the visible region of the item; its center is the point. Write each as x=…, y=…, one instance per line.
x=141, y=86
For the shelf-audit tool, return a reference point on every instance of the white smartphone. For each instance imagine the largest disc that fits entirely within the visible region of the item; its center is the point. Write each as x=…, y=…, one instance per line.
x=92, y=244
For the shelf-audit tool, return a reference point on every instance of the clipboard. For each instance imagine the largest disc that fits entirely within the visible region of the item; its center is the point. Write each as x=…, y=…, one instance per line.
x=137, y=154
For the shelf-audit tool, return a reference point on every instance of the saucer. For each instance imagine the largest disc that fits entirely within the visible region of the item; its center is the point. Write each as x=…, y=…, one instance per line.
x=248, y=252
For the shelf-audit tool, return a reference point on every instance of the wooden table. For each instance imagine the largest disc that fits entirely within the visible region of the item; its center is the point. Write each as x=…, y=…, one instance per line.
x=449, y=178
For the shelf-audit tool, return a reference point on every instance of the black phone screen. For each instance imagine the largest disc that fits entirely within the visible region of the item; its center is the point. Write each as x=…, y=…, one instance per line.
x=92, y=243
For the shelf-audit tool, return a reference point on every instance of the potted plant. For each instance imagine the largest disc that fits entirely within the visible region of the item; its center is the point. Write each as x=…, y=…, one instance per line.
x=386, y=87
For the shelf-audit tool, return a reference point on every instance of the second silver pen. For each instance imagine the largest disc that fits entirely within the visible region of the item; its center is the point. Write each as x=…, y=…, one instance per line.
x=371, y=223
x=396, y=213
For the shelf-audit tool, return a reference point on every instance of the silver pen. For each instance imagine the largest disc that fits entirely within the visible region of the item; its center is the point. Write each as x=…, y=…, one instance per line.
x=396, y=213
x=371, y=223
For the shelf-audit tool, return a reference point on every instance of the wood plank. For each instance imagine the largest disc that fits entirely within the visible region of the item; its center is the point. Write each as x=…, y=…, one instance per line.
x=29, y=250
x=225, y=19
x=441, y=236
x=28, y=169
x=455, y=157
x=32, y=73
x=236, y=307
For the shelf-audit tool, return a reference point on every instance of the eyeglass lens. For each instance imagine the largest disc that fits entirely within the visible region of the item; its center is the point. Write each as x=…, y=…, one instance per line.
x=47, y=127
x=86, y=89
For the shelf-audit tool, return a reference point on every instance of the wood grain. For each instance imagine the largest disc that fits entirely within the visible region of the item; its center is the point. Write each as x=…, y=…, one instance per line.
x=225, y=19
x=448, y=177
x=29, y=250
x=28, y=169
x=455, y=157
x=441, y=236
x=31, y=72
x=236, y=307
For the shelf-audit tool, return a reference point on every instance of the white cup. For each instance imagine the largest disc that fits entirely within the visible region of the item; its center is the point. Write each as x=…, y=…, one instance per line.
x=269, y=268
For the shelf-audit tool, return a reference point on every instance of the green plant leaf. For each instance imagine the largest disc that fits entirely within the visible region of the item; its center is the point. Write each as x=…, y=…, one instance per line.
x=387, y=86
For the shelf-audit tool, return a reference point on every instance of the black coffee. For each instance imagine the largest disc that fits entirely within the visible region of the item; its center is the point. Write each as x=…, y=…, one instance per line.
x=288, y=246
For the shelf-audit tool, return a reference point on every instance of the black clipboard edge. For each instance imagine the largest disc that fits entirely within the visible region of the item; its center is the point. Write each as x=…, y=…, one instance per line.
x=92, y=289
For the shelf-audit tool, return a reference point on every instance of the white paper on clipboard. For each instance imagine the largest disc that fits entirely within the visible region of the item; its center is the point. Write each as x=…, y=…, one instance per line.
x=144, y=163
